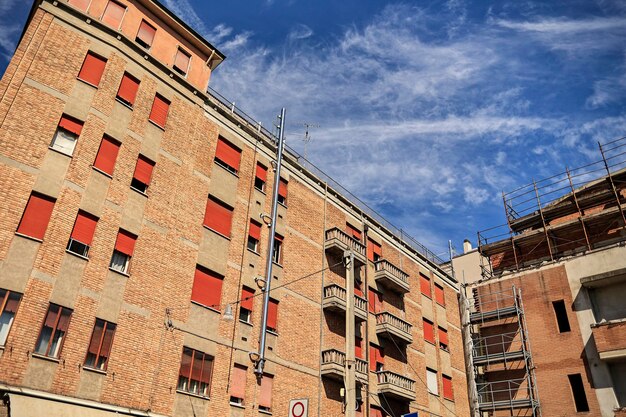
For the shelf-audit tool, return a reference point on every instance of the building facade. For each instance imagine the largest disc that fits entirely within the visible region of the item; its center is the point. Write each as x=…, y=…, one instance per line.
x=133, y=216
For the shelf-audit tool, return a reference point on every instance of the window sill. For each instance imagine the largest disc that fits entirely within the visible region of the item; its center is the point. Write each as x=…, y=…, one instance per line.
x=449, y=399
x=139, y=191
x=429, y=342
x=94, y=370
x=430, y=297
x=44, y=357
x=191, y=394
x=254, y=252
x=236, y=405
x=442, y=305
x=78, y=255
x=435, y=394
x=28, y=237
x=125, y=274
x=283, y=204
x=216, y=232
x=227, y=168
x=156, y=124
x=246, y=323
x=260, y=190
x=277, y=264
x=267, y=412
x=86, y=82
x=213, y=309
x=445, y=349
x=69, y=155
x=273, y=332
x=106, y=174
x=123, y=103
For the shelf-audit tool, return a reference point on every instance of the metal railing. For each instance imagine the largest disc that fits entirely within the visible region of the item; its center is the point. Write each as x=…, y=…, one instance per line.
x=386, y=266
x=343, y=237
x=334, y=290
x=508, y=391
x=395, y=379
x=388, y=319
x=498, y=344
x=331, y=356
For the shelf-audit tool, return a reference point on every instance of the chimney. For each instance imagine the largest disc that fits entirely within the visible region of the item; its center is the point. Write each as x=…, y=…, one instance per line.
x=467, y=246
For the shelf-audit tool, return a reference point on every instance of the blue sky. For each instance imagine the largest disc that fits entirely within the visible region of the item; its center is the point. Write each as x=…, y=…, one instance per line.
x=427, y=110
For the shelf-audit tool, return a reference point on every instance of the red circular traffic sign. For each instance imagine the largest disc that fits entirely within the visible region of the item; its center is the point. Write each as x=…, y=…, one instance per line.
x=297, y=406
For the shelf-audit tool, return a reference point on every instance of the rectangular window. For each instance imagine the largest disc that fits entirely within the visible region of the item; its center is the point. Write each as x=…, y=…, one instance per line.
x=260, y=177
x=92, y=69
x=142, y=174
x=443, y=338
x=375, y=301
x=227, y=156
x=123, y=252
x=254, y=236
x=195, y=372
x=429, y=331
x=425, y=285
x=107, y=155
x=447, y=387
x=36, y=216
x=82, y=233
x=238, y=385
x=218, y=216
x=181, y=62
x=561, y=316
x=265, y=394
x=374, y=251
x=377, y=358
x=272, y=315
x=431, y=381
x=353, y=232
x=207, y=288
x=277, y=255
x=128, y=89
x=282, y=192
x=100, y=345
x=66, y=135
x=245, y=307
x=358, y=347
x=145, y=35
x=113, y=14
x=52, y=335
x=160, y=108
x=578, y=390
x=9, y=302
x=440, y=296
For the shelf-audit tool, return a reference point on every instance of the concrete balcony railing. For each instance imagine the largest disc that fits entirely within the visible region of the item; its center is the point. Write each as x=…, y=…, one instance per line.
x=338, y=242
x=395, y=385
x=335, y=300
x=334, y=364
x=610, y=338
x=391, y=276
x=390, y=326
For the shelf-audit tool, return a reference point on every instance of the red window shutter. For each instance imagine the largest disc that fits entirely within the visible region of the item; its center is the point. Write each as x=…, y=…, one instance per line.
x=84, y=227
x=371, y=300
x=373, y=248
x=353, y=231
x=182, y=61
x=238, y=382
x=380, y=355
x=247, y=299
x=443, y=336
x=71, y=124
x=207, y=369
x=143, y=170
x=160, y=107
x=440, y=296
x=425, y=285
x=265, y=395
x=64, y=320
x=125, y=242
x=218, y=217
x=429, y=331
x=196, y=368
x=282, y=188
x=255, y=230
x=207, y=288
x=185, y=363
x=228, y=154
x=96, y=337
x=51, y=316
x=357, y=289
x=36, y=216
x=92, y=69
x=113, y=14
x=272, y=314
x=146, y=33
x=80, y=4
x=447, y=387
x=278, y=237
x=378, y=250
x=107, y=155
x=128, y=89
x=261, y=172
x=12, y=303
x=358, y=347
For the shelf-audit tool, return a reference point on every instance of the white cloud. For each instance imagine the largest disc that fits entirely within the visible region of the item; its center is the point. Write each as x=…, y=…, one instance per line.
x=300, y=31
x=565, y=26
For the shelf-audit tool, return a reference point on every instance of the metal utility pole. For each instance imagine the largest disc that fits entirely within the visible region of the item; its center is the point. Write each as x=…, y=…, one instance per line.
x=350, y=365
x=270, y=247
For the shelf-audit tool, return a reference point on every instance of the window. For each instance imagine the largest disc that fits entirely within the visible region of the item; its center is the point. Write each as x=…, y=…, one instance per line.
x=353, y=232
x=68, y=131
x=92, y=69
x=377, y=358
x=447, y=387
x=100, y=345
x=142, y=175
x=9, y=302
x=254, y=236
x=128, y=89
x=80, y=4
x=277, y=255
x=195, y=372
x=374, y=251
x=429, y=331
x=431, y=381
x=440, y=296
x=261, y=177
x=160, y=107
x=238, y=384
x=52, y=335
x=282, y=192
x=245, y=307
x=181, y=62
x=227, y=156
x=124, y=248
x=107, y=155
x=218, y=216
x=272, y=315
x=375, y=301
x=358, y=347
x=578, y=390
x=265, y=395
x=113, y=14
x=561, y=316
x=36, y=216
x=443, y=338
x=425, y=285
x=82, y=234
x=145, y=35
x=207, y=288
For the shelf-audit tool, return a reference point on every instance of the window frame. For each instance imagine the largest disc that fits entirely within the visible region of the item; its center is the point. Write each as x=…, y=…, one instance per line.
x=260, y=183
x=115, y=143
x=74, y=244
x=4, y=301
x=67, y=135
x=124, y=101
x=123, y=16
x=96, y=57
x=246, y=304
x=28, y=211
x=61, y=340
x=126, y=257
x=139, y=40
x=220, y=161
x=105, y=364
x=137, y=184
x=206, y=358
x=180, y=71
x=431, y=376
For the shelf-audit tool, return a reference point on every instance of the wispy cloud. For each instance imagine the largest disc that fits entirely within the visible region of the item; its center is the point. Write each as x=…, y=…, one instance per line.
x=300, y=31
x=565, y=26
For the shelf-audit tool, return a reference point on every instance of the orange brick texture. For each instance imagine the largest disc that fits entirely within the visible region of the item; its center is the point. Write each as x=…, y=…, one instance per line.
x=610, y=336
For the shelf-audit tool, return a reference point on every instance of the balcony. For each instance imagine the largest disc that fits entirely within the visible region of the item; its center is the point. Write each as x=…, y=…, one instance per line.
x=397, y=386
x=390, y=326
x=335, y=300
x=333, y=365
x=610, y=338
x=338, y=242
x=391, y=276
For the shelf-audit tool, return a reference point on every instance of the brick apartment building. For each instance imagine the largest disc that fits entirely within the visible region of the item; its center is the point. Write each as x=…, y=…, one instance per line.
x=132, y=218
x=547, y=318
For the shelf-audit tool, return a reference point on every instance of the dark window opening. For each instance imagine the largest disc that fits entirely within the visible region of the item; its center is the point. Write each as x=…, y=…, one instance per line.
x=578, y=390
x=561, y=316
